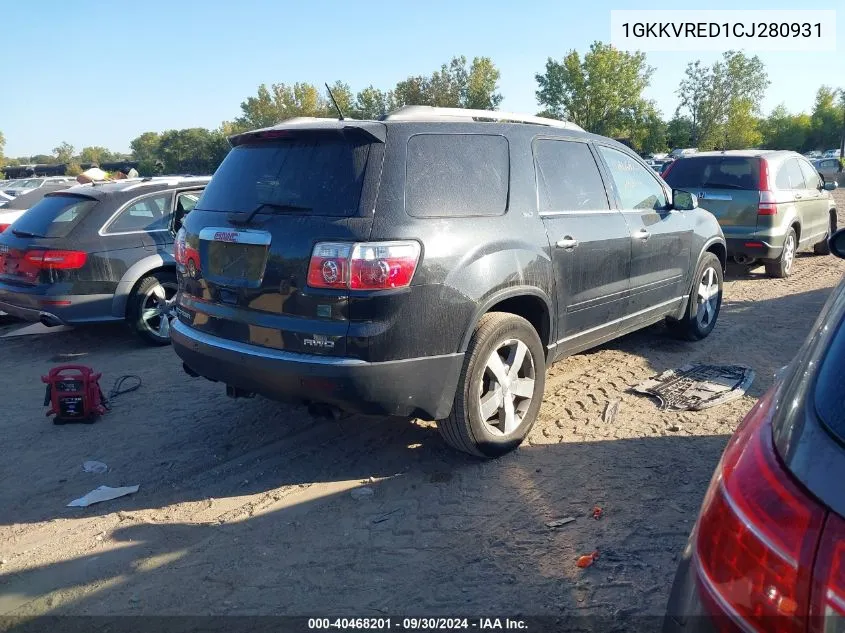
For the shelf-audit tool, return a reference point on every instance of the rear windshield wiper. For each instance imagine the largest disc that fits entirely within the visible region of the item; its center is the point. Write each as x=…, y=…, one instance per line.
x=720, y=185
x=246, y=218
x=25, y=233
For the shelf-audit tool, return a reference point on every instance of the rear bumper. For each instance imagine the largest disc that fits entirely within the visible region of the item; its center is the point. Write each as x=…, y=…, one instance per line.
x=686, y=612
x=754, y=248
x=36, y=304
x=417, y=386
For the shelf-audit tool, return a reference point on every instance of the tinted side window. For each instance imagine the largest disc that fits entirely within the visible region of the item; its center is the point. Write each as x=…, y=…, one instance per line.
x=456, y=175
x=148, y=214
x=636, y=185
x=811, y=176
x=568, y=177
x=790, y=176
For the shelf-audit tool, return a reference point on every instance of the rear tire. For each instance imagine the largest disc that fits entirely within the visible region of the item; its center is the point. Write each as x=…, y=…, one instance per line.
x=149, y=307
x=781, y=268
x=823, y=248
x=500, y=389
x=704, y=303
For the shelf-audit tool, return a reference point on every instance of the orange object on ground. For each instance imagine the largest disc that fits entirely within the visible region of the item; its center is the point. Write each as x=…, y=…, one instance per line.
x=587, y=559
x=597, y=512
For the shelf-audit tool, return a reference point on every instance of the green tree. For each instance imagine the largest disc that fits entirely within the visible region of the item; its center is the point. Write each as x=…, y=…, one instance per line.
x=453, y=86
x=411, y=91
x=95, y=154
x=40, y=159
x=282, y=101
x=782, y=130
x=371, y=103
x=482, y=85
x=733, y=91
x=345, y=100
x=649, y=131
x=827, y=119
x=64, y=152
x=195, y=151
x=679, y=132
x=602, y=93
x=146, y=147
x=692, y=94
x=2, y=147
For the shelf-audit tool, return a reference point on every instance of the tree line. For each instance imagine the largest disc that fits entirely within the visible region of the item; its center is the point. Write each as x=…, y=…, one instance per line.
x=719, y=107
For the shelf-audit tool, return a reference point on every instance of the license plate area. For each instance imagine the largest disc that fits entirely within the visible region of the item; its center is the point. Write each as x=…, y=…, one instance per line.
x=235, y=258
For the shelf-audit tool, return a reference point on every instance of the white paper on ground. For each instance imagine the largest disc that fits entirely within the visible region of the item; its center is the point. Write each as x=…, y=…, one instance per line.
x=103, y=493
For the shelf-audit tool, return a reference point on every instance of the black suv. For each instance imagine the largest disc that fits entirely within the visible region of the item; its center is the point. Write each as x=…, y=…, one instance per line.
x=432, y=264
x=95, y=253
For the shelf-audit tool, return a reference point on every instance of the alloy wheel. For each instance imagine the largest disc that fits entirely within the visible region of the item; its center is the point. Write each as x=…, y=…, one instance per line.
x=708, y=297
x=157, y=308
x=507, y=387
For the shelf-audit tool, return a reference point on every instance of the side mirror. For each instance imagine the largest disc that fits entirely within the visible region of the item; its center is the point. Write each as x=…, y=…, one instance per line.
x=830, y=185
x=684, y=200
x=837, y=243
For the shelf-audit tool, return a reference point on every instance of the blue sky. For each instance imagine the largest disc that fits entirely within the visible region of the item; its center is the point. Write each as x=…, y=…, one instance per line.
x=100, y=73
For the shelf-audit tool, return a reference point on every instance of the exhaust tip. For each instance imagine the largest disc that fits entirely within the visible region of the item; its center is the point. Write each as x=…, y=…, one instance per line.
x=189, y=371
x=48, y=320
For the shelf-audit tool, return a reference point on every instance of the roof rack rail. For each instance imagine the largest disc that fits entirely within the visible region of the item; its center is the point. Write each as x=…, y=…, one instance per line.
x=431, y=113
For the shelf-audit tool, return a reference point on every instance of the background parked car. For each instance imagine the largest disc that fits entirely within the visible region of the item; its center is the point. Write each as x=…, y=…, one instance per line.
x=829, y=168
x=96, y=253
x=832, y=153
x=28, y=184
x=768, y=550
x=16, y=207
x=682, y=151
x=770, y=204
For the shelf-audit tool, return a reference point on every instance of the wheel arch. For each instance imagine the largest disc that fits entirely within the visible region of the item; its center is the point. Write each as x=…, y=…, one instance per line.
x=133, y=276
x=528, y=302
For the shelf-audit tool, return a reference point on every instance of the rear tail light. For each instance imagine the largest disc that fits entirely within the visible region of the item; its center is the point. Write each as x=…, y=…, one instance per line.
x=56, y=260
x=768, y=204
x=828, y=610
x=757, y=534
x=668, y=169
x=363, y=266
x=3, y=227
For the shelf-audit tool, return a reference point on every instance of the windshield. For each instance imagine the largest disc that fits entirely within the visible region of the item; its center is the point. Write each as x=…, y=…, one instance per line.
x=317, y=175
x=54, y=216
x=28, y=184
x=715, y=172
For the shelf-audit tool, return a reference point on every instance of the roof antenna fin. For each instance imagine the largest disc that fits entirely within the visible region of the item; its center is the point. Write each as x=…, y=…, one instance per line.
x=334, y=101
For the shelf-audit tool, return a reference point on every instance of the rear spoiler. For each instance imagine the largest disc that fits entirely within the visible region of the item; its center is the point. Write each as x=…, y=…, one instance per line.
x=309, y=125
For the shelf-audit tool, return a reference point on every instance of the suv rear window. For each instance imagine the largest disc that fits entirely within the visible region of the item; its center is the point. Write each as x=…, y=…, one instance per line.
x=315, y=175
x=54, y=216
x=456, y=175
x=715, y=172
x=829, y=396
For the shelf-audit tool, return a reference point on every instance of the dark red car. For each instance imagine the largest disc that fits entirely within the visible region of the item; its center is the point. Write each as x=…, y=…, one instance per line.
x=768, y=550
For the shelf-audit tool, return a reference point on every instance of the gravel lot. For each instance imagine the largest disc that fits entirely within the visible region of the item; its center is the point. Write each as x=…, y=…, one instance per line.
x=246, y=506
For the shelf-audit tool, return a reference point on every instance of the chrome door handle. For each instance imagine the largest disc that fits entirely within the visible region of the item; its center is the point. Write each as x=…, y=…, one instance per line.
x=642, y=234
x=798, y=196
x=567, y=242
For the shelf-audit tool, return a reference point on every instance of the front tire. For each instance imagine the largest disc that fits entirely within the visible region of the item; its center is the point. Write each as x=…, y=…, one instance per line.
x=500, y=389
x=704, y=303
x=781, y=268
x=149, y=308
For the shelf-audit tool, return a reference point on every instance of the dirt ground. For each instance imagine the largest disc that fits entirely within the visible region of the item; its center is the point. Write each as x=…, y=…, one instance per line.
x=246, y=506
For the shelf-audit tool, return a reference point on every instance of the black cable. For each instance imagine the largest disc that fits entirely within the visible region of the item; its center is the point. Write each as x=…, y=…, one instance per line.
x=119, y=390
